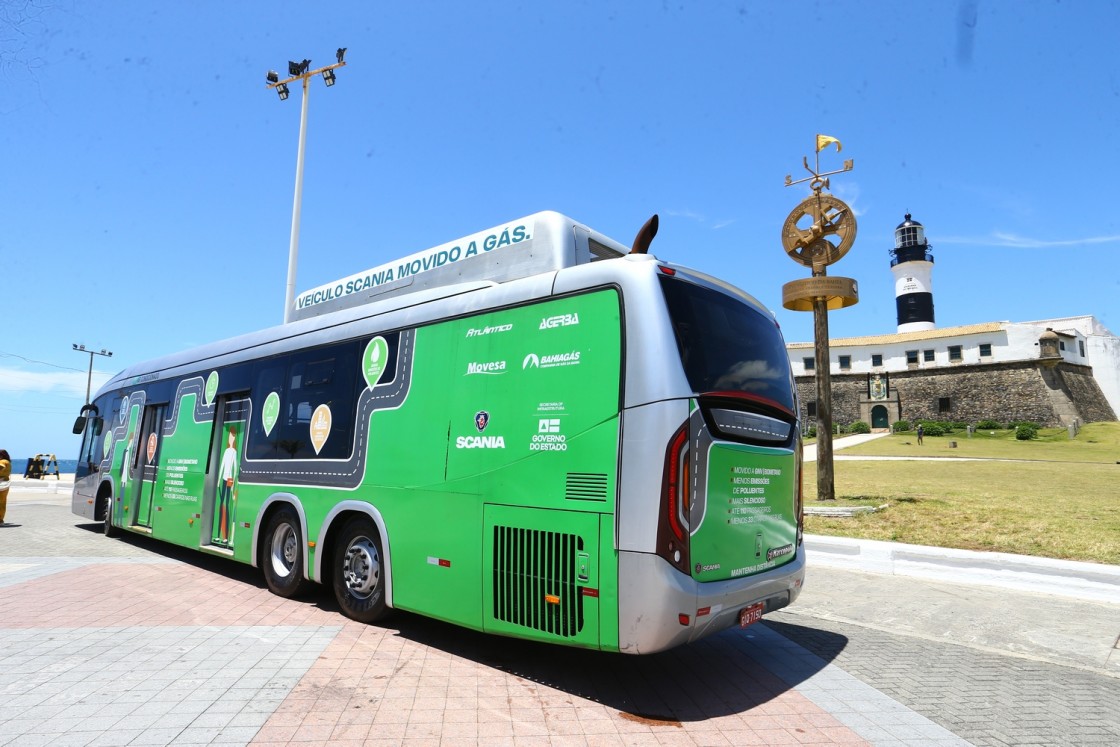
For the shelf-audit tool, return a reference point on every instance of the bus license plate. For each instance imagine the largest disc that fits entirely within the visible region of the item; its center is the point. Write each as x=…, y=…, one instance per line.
x=752, y=614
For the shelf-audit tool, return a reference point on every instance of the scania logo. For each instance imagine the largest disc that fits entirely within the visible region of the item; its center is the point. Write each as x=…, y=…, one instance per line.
x=700, y=568
x=481, y=420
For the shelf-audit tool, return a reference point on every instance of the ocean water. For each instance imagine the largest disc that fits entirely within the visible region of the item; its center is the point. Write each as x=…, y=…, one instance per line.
x=65, y=466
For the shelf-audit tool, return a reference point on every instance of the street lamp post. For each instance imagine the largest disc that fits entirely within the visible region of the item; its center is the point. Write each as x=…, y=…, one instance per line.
x=89, y=377
x=299, y=71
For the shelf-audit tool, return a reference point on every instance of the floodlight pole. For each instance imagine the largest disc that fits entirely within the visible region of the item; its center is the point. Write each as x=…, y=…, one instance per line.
x=89, y=376
x=282, y=89
x=293, y=247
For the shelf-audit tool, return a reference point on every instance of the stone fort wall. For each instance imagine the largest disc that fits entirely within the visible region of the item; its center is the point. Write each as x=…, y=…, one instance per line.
x=1050, y=395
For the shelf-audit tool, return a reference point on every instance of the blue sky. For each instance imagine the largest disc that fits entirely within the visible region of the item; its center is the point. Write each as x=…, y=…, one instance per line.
x=146, y=173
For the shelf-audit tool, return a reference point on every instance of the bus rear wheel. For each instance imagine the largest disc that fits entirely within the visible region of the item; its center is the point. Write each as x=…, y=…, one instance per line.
x=359, y=575
x=283, y=555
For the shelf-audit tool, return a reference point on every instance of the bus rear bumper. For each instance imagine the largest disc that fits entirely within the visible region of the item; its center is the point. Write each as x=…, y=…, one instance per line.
x=652, y=605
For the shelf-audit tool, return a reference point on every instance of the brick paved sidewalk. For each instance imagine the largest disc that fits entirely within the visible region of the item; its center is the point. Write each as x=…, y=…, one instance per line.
x=162, y=646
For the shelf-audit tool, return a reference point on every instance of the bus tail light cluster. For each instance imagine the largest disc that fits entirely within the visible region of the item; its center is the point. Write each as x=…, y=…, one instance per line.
x=672, y=524
x=799, y=492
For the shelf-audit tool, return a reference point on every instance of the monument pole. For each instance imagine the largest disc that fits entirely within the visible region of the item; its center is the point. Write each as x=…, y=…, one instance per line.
x=817, y=233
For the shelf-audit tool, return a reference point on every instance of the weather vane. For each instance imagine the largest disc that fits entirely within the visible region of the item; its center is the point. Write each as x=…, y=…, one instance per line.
x=831, y=226
x=817, y=233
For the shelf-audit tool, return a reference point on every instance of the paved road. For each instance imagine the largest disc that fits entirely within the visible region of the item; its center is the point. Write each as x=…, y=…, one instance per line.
x=133, y=642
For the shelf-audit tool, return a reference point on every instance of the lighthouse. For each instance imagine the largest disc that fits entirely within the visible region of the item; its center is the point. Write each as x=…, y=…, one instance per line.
x=912, y=266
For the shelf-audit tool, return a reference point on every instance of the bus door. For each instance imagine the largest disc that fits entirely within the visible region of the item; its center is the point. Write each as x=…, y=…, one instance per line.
x=219, y=512
x=144, y=470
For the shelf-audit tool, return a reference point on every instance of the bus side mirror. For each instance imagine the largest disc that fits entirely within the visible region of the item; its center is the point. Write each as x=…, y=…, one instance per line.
x=87, y=412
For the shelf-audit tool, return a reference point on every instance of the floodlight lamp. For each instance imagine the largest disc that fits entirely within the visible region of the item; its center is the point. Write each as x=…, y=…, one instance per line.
x=293, y=68
x=304, y=66
x=76, y=346
x=328, y=77
x=282, y=90
x=340, y=53
x=272, y=76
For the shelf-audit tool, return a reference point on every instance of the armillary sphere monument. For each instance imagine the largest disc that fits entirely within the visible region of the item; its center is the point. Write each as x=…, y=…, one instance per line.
x=817, y=233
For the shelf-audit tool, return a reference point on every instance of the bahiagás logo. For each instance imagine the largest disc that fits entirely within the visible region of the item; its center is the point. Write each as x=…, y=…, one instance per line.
x=559, y=320
x=532, y=360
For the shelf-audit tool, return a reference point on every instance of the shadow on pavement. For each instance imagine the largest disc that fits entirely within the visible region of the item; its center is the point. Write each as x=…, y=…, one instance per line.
x=713, y=677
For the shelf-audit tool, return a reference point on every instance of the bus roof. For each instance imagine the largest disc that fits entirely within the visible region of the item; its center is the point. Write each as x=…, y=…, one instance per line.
x=529, y=246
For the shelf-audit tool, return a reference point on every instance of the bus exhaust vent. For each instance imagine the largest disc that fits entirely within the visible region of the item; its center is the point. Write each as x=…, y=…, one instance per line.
x=535, y=580
x=602, y=251
x=585, y=486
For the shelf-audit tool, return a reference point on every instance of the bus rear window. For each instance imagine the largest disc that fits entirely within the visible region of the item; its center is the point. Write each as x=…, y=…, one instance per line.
x=725, y=345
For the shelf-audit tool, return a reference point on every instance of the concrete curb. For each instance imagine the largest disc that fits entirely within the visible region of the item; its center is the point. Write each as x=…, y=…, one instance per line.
x=49, y=485
x=1089, y=581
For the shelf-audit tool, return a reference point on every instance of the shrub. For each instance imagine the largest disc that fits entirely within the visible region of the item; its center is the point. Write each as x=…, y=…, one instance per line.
x=901, y=425
x=989, y=425
x=811, y=432
x=933, y=428
x=859, y=427
x=1026, y=431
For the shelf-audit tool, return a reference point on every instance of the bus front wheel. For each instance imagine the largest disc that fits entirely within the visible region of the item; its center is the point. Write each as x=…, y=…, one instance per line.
x=359, y=575
x=283, y=555
x=110, y=530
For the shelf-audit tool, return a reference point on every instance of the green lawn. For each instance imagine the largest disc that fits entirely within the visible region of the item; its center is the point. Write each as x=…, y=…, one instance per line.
x=1064, y=502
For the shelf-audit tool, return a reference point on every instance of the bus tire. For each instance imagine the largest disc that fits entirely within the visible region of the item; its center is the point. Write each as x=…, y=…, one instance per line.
x=359, y=572
x=282, y=560
x=109, y=528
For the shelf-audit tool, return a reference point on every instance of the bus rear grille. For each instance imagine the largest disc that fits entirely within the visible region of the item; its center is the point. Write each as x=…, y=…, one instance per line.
x=585, y=486
x=535, y=580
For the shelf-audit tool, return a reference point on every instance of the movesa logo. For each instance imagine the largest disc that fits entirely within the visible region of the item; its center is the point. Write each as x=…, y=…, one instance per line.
x=560, y=320
x=489, y=367
x=481, y=420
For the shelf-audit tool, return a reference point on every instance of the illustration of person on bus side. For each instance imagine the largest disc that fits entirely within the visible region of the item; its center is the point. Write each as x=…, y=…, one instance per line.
x=130, y=440
x=227, y=496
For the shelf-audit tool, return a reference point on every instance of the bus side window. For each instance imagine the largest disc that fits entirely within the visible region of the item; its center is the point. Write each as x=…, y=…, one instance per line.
x=304, y=382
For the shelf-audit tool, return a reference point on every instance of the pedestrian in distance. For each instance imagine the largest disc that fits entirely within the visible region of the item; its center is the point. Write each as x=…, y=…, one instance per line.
x=921, y=432
x=5, y=473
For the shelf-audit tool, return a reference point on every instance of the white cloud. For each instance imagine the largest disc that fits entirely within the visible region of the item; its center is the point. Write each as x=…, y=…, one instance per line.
x=999, y=238
x=18, y=381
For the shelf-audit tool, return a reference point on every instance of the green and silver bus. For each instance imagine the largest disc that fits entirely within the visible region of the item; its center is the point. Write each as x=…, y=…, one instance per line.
x=532, y=431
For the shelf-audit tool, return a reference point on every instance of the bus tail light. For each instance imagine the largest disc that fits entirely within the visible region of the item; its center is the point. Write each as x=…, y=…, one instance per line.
x=799, y=492
x=672, y=524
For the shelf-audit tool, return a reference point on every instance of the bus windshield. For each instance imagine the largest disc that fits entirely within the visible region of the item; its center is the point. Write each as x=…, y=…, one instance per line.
x=725, y=345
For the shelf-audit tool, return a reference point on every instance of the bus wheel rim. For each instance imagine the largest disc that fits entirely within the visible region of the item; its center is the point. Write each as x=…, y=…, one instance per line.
x=361, y=568
x=284, y=550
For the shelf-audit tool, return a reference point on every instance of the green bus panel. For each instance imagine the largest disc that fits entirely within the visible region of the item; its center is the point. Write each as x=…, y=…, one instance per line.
x=182, y=478
x=517, y=407
x=749, y=524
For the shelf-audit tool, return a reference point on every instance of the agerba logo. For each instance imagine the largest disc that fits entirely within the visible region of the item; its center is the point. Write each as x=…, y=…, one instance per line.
x=532, y=360
x=488, y=367
x=560, y=320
